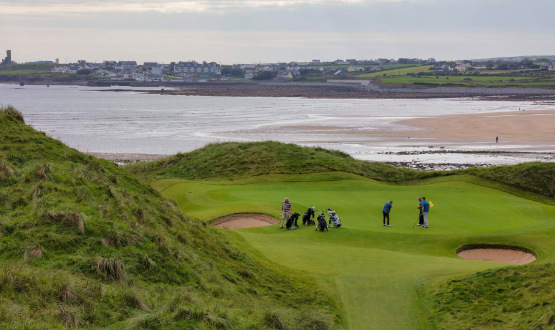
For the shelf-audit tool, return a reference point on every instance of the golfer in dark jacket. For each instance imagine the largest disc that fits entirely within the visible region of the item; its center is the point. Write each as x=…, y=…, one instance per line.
x=386, y=209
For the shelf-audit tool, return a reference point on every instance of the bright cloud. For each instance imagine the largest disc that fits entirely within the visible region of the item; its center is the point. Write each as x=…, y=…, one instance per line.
x=171, y=6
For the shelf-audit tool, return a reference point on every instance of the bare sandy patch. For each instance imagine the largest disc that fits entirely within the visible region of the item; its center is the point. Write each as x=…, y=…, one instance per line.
x=244, y=220
x=509, y=255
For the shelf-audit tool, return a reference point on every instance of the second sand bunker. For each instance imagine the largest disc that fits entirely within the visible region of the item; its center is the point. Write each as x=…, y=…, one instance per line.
x=509, y=256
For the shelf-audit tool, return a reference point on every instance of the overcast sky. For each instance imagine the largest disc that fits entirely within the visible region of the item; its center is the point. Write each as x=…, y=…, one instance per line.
x=235, y=31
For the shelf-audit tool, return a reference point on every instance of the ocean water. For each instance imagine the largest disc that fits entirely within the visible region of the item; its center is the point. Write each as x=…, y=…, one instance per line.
x=132, y=122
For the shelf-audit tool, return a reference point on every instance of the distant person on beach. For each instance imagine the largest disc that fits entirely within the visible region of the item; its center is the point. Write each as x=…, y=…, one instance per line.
x=420, y=215
x=497, y=139
x=385, y=211
x=286, y=208
x=425, y=211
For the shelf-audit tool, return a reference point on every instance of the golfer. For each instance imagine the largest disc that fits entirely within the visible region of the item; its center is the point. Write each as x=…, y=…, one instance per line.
x=425, y=211
x=286, y=209
x=420, y=215
x=386, y=209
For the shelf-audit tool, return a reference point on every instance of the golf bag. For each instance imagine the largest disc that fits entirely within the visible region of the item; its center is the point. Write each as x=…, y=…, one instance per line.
x=308, y=217
x=292, y=221
x=322, y=224
x=334, y=218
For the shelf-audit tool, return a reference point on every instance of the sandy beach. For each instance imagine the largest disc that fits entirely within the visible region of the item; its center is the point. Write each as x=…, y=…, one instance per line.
x=523, y=129
x=520, y=127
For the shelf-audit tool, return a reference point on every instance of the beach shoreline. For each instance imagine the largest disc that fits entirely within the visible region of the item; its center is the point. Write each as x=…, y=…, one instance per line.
x=522, y=135
x=318, y=90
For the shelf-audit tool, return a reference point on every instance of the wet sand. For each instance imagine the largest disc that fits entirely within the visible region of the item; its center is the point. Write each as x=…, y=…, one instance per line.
x=521, y=127
x=527, y=128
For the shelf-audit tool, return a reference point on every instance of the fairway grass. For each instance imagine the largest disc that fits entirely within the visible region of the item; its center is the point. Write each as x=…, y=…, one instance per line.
x=380, y=273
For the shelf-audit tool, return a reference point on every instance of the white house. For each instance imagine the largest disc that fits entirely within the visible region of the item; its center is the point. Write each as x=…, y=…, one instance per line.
x=355, y=69
x=196, y=69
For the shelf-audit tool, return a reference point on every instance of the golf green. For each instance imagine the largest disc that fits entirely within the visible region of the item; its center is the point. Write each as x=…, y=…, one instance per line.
x=378, y=272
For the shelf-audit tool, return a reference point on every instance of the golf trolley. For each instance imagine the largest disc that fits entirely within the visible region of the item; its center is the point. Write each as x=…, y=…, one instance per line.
x=322, y=224
x=334, y=218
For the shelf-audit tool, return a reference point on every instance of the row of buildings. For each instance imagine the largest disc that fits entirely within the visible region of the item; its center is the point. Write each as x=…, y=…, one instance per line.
x=148, y=71
x=198, y=71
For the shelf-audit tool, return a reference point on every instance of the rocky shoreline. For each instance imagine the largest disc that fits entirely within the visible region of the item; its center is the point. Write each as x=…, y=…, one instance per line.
x=345, y=91
x=332, y=91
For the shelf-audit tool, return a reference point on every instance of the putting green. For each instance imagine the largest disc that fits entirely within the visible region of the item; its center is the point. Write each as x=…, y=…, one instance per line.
x=378, y=272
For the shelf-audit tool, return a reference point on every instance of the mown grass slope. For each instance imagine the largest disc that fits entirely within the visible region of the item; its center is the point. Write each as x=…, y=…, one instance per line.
x=84, y=244
x=235, y=160
x=379, y=271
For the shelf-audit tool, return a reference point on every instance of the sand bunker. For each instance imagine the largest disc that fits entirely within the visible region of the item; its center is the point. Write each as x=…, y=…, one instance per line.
x=244, y=220
x=499, y=253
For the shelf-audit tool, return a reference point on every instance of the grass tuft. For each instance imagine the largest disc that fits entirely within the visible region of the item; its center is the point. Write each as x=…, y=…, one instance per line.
x=119, y=239
x=133, y=301
x=273, y=320
x=6, y=170
x=37, y=191
x=69, y=320
x=42, y=171
x=13, y=113
x=71, y=219
x=35, y=252
x=66, y=294
x=110, y=269
x=148, y=263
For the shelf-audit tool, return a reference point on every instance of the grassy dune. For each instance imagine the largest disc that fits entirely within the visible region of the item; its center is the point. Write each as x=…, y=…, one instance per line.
x=387, y=278
x=84, y=244
x=234, y=160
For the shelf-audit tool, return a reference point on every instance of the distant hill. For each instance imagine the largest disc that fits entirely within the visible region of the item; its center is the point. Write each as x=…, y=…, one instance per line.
x=516, y=58
x=84, y=244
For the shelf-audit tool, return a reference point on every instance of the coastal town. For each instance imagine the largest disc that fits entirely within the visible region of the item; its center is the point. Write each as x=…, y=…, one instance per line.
x=315, y=70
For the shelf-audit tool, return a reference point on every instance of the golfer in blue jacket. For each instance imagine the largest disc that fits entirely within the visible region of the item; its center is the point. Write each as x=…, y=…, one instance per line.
x=425, y=210
x=386, y=209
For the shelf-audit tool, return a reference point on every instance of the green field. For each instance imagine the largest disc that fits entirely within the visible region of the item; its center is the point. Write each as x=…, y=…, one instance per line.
x=470, y=80
x=27, y=71
x=380, y=273
x=397, y=72
x=170, y=78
